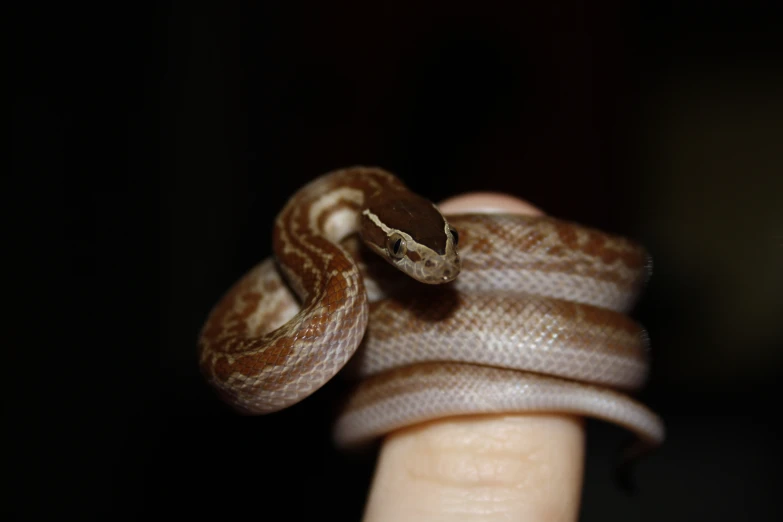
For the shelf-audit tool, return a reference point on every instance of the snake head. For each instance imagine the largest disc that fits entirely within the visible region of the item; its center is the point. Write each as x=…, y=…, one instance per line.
x=410, y=233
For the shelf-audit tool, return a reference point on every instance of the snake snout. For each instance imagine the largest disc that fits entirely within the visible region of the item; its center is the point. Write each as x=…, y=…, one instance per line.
x=438, y=270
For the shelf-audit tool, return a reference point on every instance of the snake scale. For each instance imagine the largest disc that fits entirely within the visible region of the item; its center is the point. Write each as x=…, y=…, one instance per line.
x=498, y=314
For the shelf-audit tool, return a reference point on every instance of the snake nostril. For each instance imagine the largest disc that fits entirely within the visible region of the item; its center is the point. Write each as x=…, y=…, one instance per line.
x=429, y=263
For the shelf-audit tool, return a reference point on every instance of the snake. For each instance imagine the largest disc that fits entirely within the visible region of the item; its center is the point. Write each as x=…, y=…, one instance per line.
x=433, y=317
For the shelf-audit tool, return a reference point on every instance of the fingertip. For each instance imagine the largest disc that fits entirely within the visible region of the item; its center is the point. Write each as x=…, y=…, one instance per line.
x=488, y=202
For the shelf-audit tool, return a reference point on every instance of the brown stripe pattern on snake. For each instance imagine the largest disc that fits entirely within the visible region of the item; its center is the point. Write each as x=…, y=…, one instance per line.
x=533, y=322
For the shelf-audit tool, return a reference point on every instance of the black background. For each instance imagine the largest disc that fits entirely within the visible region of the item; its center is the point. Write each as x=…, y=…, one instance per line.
x=151, y=148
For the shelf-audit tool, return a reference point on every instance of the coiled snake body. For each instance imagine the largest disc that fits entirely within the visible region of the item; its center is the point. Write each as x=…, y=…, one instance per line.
x=530, y=318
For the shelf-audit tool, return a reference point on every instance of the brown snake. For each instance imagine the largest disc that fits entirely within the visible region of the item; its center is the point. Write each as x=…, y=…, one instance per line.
x=531, y=317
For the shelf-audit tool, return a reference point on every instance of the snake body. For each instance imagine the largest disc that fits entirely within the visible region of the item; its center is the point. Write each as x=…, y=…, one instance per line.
x=528, y=316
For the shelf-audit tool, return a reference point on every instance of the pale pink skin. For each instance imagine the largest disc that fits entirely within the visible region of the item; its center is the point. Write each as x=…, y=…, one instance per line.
x=489, y=467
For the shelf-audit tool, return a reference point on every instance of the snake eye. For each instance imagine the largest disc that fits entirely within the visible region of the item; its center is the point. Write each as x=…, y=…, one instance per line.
x=454, y=235
x=396, y=246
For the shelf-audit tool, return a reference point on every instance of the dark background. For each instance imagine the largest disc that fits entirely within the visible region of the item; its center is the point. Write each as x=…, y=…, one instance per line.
x=151, y=148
